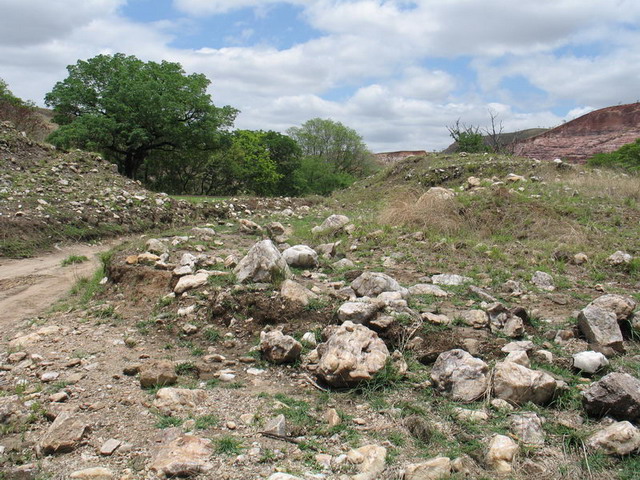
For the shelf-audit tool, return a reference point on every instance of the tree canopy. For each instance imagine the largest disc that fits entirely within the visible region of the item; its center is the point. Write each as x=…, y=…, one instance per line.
x=334, y=143
x=130, y=110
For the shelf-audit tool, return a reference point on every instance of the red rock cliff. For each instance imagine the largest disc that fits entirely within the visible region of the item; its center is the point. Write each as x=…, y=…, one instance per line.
x=603, y=130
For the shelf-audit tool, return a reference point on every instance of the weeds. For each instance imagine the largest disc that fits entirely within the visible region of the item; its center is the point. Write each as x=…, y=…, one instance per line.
x=73, y=259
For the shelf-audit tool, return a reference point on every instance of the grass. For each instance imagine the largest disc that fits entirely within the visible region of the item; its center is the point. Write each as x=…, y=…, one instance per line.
x=211, y=335
x=73, y=259
x=206, y=421
x=167, y=421
x=228, y=445
x=186, y=368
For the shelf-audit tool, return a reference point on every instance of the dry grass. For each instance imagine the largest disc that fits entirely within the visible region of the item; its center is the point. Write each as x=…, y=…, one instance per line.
x=601, y=184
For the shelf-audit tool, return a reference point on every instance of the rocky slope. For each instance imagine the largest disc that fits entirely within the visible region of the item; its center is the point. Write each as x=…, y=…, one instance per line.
x=368, y=350
x=601, y=131
x=48, y=196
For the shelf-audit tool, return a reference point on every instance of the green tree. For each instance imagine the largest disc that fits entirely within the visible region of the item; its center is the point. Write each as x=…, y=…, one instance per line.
x=626, y=157
x=130, y=110
x=467, y=137
x=334, y=143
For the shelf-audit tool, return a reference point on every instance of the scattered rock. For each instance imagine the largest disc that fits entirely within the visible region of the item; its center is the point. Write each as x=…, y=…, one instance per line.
x=64, y=434
x=279, y=348
x=170, y=401
x=616, y=395
x=622, y=305
x=543, y=281
x=460, y=375
x=96, y=473
x=351, y=354
x=590, y=361
x=331, y=225
x=527, y=427
x=450, y=279
x=600, y=327
x=189, y=282
x=109, y=446
x=475, y=318
x=182, y=455
x=293, y=292
x=619, y=258
x=501, y=453
x=263, y=263
x=372, y=284
x=161, y=372
x=434, y=469
x=620, y=438
x=357, y=312
x=247, y=226
x=301, y=256
x=519, y=385
x=369, y=460
x=427, y=289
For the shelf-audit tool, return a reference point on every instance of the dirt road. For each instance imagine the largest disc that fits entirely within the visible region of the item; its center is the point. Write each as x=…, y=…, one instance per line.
x=30, y=286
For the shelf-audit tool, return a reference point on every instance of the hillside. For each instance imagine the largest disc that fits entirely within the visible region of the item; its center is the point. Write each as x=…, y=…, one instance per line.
x=48, y=196
x=507, y=139
x=427, y=333
x=601, y=131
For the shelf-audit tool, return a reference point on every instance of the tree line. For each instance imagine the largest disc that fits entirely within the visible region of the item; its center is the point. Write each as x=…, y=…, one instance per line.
x=159, y=125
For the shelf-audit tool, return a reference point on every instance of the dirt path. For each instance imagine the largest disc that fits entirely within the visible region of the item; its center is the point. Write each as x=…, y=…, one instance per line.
x=30, y=286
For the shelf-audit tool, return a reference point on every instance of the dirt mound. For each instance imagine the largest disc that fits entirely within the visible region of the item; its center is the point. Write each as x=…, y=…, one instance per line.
x=48, y=196
x=601, y=131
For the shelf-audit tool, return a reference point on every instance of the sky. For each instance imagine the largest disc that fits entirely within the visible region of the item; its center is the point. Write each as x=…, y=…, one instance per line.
x=398, y=72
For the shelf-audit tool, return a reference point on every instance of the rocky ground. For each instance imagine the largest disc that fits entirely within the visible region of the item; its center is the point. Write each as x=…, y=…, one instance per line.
x=300, y=343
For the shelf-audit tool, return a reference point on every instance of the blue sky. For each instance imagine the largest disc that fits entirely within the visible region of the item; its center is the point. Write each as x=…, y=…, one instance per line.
x=396, y=71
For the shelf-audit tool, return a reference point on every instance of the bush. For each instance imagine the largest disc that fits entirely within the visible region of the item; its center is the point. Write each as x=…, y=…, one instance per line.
x=626, y=157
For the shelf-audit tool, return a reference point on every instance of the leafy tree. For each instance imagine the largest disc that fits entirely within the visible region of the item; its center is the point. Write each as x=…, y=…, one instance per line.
x=319, y=177
x=334, y=143
x=467, y=137
x=131, y=110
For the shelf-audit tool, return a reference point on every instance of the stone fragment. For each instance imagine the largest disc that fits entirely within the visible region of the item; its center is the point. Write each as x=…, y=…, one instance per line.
x=247, y=226
x=263, y=263
x=543, y=281
x=279, y=348
x=433, y=469
x=428, y=289
x=110, y=446
x=301, y=256
x=475, y=318
x=161, y=372
x=461, y=376
x=332, y=224
x=519, y=357
x=277, y=425
x=296, y=293
x=96, y=473
x=435, y=319
x=189, y=282
x=501, y=453
x=616, y=394
x=344, y=263
x=182, y=455
x=590, y=361
x=64, y=434
x=527, y=427
x=619, y=258
x=357, y=312
x=283, y=476
x=156, y=246
x=372, y=284
x=351, y=354
x=450, y=279
x=204, y=233
x=172, y=401
x=600, y=327
x=619, y=438
x=519, y=385
x=369, y=460
x=332, y=417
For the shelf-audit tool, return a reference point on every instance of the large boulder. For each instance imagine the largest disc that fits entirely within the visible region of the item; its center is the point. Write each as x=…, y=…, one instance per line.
x=616, y=394
x=372, y=284
x=518, y=384
x=301, y=256
x=332, y=224
x=460, y=375
x=352, y=353
x=263, y=263
x=600, y=327
x=620, y=438
x=279, y=348
x=622, y=305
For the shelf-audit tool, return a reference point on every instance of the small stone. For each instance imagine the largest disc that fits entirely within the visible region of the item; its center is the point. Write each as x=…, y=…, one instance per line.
x=543, y=281
x=332, y=417
x=501, y=453
x=160, y=373
x=59, y=397
x=590, y=361
x=620, y=438
x=97, y=473
x=277, y=425
x=109, y=446
x=49, y=376
x=434, y=469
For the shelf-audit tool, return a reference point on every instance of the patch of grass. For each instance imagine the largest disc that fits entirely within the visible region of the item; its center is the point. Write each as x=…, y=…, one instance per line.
x=186, y=368
x=167, y=421
x=73, y=259
x=211, y=334
x=296, y=411
x=206, y=421
x=228, y=445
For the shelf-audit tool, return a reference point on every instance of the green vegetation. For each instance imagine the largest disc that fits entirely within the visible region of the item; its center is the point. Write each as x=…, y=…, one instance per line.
x=626, y=157
x=73, y=259
x=228, y=445
x=23, y=114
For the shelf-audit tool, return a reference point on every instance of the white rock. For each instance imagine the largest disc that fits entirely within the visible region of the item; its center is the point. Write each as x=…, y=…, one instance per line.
x=620, y=438
x=589, y=361
x=427, y=289
x=450, y=279
x=189, y=282
x=301, y=256
x=501, y=453
x=263, y=263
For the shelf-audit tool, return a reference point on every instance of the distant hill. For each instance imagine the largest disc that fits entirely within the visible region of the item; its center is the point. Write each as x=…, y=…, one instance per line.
x=600, y=131
x=505, y=138
x=389, y=158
